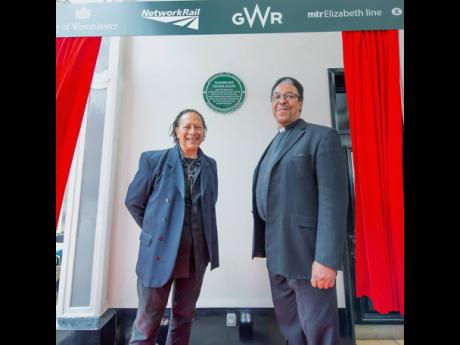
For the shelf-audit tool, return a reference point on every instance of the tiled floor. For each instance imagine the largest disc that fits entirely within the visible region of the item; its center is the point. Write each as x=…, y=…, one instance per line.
x=380, y=342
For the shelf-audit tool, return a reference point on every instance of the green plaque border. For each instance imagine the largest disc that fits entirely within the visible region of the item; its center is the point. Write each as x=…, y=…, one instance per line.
x=238, y=104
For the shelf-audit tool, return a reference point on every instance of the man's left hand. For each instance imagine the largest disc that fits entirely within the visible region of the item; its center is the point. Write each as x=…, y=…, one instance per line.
x=322, y=277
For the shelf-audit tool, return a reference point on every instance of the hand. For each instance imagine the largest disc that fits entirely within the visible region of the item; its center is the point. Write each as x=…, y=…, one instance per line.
x=322, y=277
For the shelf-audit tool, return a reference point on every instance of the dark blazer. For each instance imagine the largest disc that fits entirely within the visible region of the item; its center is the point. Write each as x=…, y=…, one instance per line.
x=307, y=204
x=155, y=199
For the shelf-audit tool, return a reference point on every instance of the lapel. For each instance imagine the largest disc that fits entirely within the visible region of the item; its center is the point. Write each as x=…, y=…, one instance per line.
x=175, y=164
x=298, y=132
x=205, y=171
x=256, y=171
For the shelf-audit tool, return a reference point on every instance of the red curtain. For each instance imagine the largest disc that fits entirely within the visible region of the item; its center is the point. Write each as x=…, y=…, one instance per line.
x=372, y=79
x=75, y=62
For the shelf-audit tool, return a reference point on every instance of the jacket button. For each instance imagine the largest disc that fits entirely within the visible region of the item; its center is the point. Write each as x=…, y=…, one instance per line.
x=161, y=238
x=166, y=200
x=165, y=220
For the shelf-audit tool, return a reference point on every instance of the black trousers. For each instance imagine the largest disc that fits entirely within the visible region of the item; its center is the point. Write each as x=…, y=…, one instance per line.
x=152, y=305
x=305, y=315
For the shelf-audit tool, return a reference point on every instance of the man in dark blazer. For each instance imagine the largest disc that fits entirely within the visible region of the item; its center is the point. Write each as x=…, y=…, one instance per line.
x=300, y=201
x=172, y=198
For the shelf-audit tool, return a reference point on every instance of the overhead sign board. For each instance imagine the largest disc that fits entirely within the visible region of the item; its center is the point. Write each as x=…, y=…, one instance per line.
x=210, y=17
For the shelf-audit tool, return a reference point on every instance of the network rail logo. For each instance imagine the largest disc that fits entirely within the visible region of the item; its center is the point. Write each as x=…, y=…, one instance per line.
x=181, y=17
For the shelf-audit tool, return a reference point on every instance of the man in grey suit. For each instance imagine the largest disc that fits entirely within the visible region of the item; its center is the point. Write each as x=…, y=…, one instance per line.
x=300, y=201
x=172, y=198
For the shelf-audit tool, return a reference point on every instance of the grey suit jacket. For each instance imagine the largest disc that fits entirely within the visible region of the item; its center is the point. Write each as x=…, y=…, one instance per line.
x=307, y=204
x=155, y=199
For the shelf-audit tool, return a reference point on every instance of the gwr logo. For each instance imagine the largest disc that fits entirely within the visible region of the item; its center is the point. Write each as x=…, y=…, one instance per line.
x=239, y=19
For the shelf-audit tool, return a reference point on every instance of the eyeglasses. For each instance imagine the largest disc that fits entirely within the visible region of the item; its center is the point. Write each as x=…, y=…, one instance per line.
x=289, y=96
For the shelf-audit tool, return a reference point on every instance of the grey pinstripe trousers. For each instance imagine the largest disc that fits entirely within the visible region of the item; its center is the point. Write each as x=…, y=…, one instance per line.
x=305, y=315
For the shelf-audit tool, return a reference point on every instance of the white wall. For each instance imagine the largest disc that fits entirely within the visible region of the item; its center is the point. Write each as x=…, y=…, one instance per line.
x=165, y=74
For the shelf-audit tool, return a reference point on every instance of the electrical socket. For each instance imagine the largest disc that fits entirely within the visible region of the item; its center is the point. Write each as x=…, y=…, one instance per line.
x=231, y=319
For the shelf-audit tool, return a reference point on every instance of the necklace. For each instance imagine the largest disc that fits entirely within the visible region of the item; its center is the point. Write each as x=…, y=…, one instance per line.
x=190, y=172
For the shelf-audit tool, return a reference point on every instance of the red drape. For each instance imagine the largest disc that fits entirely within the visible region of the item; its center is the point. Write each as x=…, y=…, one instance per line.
x=372, y=79
x=75, y=62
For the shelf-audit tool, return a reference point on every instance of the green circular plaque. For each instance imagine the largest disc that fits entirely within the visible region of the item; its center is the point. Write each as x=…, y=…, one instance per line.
x=224, y=92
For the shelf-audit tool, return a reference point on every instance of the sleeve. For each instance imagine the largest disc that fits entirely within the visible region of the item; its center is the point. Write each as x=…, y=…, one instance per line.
x=139, y=190
x=332, y=182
